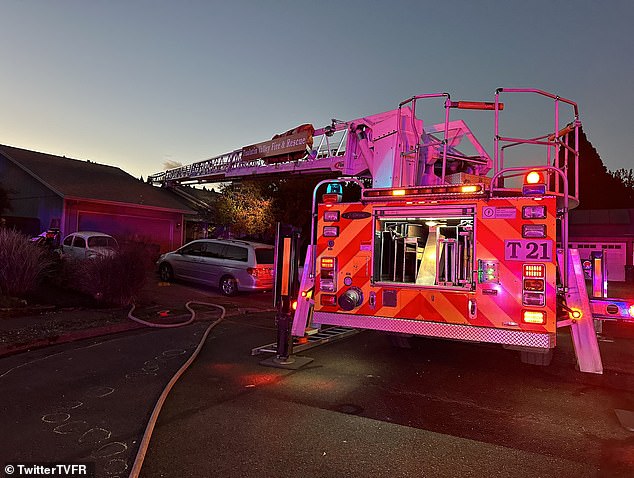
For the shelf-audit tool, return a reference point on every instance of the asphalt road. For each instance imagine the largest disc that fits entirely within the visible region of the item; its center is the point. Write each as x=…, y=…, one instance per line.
x=362, y=409
x=88, y=401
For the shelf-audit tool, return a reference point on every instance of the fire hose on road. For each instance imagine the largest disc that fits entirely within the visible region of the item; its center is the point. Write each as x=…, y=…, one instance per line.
x=147, y=435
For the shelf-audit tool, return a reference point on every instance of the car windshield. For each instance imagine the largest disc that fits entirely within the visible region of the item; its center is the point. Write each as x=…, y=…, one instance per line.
x=102, y=241
x=264, y=256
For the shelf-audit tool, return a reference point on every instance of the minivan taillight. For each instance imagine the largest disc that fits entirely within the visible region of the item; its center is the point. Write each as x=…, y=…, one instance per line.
x=252, y=271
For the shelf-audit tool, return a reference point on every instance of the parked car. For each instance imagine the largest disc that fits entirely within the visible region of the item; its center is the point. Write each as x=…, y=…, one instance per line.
x=231, y=265
x=88, y=245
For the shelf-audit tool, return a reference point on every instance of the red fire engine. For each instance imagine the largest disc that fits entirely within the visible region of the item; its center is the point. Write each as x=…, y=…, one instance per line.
x=438, y=242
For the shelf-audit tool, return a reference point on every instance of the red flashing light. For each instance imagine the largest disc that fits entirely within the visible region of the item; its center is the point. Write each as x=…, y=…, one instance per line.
x=331, y=198
x=328, y=299
x=534, y=177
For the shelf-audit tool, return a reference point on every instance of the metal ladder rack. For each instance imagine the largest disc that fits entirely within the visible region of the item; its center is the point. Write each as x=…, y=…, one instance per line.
x=320, y=337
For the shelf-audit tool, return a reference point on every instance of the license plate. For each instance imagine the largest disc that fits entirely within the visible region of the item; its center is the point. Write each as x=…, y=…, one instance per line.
x=528, y=250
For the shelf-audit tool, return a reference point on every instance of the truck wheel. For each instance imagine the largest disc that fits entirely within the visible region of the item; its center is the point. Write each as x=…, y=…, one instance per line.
x=228, y=286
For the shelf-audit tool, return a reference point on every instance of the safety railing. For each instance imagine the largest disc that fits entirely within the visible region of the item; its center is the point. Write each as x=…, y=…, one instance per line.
x=560, y=164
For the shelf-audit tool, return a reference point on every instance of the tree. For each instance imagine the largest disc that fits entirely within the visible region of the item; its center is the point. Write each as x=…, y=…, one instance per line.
x=625, y=176
x=598, y=188
x=244, y=209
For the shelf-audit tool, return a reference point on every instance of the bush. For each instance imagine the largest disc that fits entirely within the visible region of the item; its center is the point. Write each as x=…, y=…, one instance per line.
x=114, y=280
x=22, y=263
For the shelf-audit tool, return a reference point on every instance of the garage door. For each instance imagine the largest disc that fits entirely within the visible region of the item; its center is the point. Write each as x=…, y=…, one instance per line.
x=615, y=253
x=151, y=230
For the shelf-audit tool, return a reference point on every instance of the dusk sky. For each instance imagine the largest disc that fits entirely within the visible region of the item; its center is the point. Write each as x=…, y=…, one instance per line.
x=135, y=84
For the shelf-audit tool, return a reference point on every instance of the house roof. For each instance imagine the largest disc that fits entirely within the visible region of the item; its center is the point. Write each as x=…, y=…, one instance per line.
x=72, y=178
x=602, y=222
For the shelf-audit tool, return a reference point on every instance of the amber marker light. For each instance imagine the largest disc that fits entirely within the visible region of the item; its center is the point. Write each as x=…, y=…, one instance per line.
x=398, y=192
x=534, y=317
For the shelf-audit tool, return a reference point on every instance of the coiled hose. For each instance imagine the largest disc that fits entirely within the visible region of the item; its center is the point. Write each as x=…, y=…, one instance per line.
x=145, y=441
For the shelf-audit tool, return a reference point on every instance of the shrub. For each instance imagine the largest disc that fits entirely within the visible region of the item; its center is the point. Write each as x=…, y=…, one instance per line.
x=22, y=263
x=114, y=280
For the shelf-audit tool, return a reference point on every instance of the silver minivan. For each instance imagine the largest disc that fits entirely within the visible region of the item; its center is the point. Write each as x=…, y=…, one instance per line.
x=231, y=265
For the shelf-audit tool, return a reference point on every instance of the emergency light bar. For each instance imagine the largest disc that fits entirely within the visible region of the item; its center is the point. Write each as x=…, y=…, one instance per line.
x=424, y=191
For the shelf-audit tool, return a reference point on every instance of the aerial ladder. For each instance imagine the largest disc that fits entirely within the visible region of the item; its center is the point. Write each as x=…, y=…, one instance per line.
x=437, y=241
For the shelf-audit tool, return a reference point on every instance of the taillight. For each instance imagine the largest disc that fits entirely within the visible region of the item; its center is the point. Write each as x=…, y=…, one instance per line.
x=534, y=285
x=258, y=273
x=534, y=270
x=327, y=274
x=534, y=316
x=328, y=299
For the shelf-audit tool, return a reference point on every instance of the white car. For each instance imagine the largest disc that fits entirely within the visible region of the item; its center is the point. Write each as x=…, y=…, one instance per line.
x=88, y=245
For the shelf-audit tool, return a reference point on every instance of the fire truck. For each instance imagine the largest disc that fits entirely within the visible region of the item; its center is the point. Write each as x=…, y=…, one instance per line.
x=419, y=232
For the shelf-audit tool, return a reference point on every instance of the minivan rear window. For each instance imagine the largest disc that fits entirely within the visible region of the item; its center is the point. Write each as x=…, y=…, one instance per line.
x=265, y=256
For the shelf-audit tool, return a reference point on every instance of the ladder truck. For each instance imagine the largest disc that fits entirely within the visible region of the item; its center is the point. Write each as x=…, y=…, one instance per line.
x=438, y=242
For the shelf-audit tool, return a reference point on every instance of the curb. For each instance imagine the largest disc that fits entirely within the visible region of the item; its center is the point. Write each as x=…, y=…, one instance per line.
x=7, y=350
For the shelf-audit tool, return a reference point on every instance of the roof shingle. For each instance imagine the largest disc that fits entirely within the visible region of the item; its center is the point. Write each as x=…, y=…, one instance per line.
x=72, y=178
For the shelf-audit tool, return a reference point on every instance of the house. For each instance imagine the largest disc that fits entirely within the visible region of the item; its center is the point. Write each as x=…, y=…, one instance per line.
x=607, y=230
x=53, y=191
